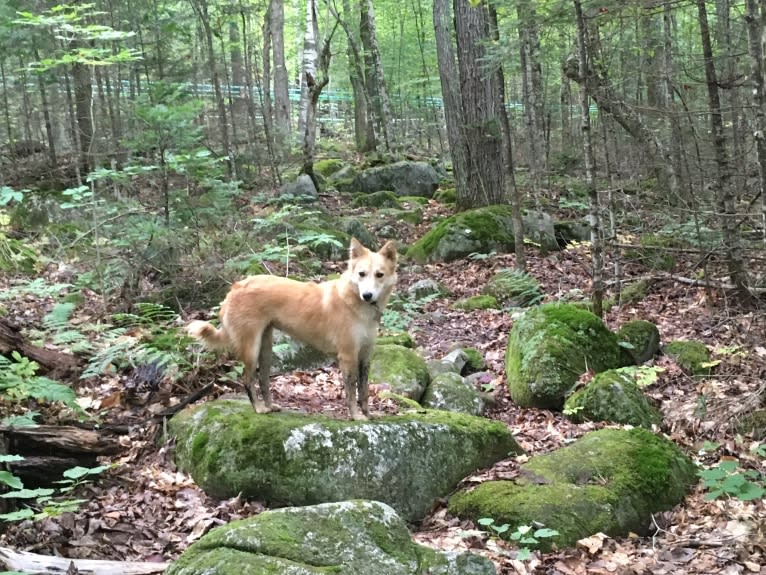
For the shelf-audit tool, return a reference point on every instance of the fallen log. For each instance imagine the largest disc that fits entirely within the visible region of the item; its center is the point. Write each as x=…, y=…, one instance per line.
x=47, y=565
x=57, y=438
x=50, y=360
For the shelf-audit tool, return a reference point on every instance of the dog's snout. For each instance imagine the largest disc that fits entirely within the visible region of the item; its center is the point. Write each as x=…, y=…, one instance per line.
x=367, y=296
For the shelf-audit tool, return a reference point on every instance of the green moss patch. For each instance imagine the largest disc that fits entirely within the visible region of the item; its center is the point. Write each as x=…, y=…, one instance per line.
x=477, y=302
x=641, y=340
x=692, y=356
x=481, y=230
x=550, y=347
x=382, y=199
x=608, y=481
x=328, y=167
x=612, y=396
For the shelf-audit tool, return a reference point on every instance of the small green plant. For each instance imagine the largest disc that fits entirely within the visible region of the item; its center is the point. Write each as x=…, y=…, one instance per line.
x=728, y=479
x=400, y=312
x=42, y=502
x=495, y=529
x=526, y=536
x=18, y=381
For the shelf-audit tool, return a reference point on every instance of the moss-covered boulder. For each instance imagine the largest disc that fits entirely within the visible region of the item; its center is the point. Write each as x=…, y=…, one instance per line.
x=381, y=199
x=476, y=302
x=289, y=459
x=345, y=538
x=302, y=189
x=476, y=361
x=640, y=338
x=693, y=356
x=608, y=481
x=550, y=347
x=514, y=288
x=570, y=231
x=481, y=230
x=427, y=287
x=400, y=369
x=451, y=392
x=402, y=338
x=328, y=166
x=612, y=396
x=540, y=228
x=446, y=196
x=403, y=178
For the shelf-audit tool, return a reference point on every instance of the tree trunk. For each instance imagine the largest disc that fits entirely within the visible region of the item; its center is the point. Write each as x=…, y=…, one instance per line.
x=281, y=84
x=448, y=75
x=534, y=110
x=485, y=184
x=266, y=101
x=597, y=294
x=201, y=8
x=308, y=76
x=724, y=192
x=754, y=31
x=364, y=135
x=83, y=101
x=316, y=74
x=6, y=109
x=46, y=116
x=512, y=191
x=374, y=75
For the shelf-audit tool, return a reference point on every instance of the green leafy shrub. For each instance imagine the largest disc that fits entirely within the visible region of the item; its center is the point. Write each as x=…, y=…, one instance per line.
x=19, y=381
x=42, y=502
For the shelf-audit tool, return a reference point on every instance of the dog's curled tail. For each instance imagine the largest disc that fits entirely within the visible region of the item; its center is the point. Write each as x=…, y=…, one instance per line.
x=205, y=331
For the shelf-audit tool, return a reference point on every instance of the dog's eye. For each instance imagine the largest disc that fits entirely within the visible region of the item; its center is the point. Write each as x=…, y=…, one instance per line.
x=362, y=274
x=379, y=274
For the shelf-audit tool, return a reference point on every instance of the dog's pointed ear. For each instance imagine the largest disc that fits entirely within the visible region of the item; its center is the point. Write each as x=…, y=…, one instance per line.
x=388, y=251
x=356, y=250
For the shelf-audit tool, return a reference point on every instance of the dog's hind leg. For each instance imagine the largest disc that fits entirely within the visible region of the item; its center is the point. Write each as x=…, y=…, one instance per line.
x=264, y=369
x=250, y=357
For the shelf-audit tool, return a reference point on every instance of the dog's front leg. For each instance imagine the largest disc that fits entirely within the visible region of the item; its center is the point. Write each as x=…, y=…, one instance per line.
x=350, y=369
x=362, y=384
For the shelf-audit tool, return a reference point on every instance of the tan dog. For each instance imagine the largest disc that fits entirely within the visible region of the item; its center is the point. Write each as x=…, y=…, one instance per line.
x=339, y=316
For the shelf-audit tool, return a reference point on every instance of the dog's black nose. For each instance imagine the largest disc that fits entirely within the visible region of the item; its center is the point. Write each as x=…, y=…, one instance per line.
x=367, y=296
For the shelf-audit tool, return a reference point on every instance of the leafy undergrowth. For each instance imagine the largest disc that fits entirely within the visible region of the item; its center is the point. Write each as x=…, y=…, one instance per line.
x=144, y=509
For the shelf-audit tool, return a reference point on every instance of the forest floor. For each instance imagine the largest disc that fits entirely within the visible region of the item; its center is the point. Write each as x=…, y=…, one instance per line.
x=146, y=510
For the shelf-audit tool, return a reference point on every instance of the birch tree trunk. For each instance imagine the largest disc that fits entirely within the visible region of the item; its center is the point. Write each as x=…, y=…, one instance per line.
x=725, y=194
x=316, y=77
x=597, y=295
x=309, y=71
